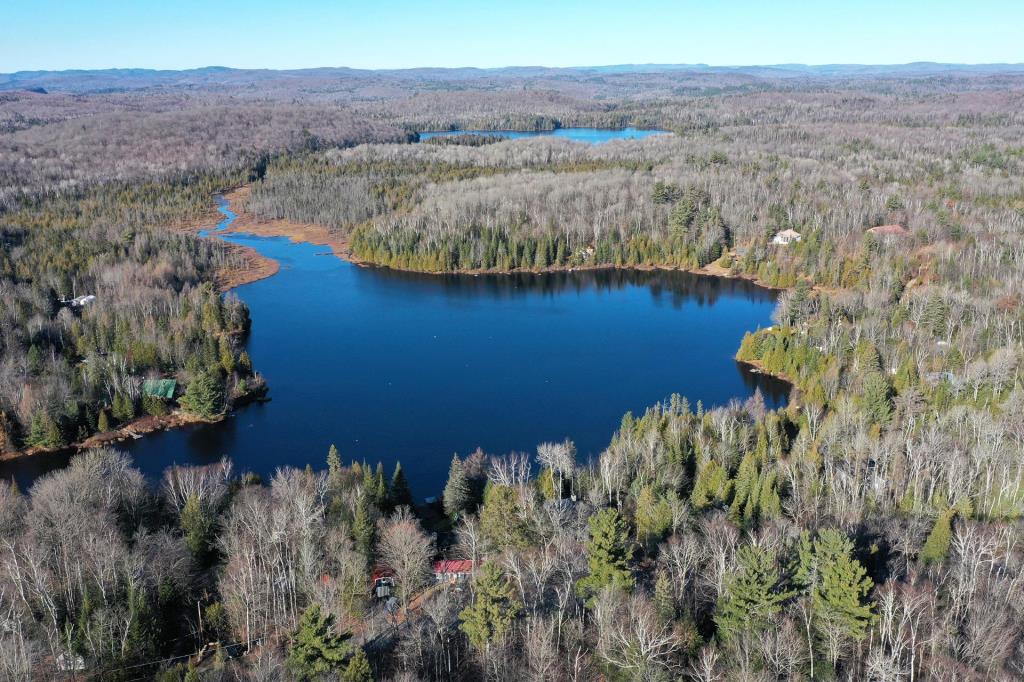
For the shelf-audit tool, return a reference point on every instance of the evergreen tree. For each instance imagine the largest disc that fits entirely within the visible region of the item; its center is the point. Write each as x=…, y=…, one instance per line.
x=227, y=357
x=197, y=527
x=877, y=398
x=608, y=555
x=333, y=462
x=933, y=318
x=936, y=547
x=653, y=516
x=369, y=484
x=315, y=648
x=142, y=640
x=837, y=583
x=44, y=431
x=204, y=396
x=752, y=595
x=103, y=422
x=362, y=527
x=358, y=668
x=123, y=408
x=712, y=485
x=401, y=496
x=457, y=493
x=493, y=610
x=35, y=359
x=380, y=487
x=664, y=598
x=500, y=518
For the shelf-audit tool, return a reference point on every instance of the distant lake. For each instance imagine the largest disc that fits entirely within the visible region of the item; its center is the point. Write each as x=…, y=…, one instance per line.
x=394, y=366
x=589, y=135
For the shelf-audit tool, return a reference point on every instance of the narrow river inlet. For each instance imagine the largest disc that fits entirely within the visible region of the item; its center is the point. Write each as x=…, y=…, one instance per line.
x=394, y=366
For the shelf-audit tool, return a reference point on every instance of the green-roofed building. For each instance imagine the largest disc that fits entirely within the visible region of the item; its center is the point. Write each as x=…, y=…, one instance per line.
x=161, y=388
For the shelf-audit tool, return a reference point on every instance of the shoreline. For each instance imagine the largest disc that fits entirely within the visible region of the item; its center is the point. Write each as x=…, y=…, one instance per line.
x=254, y=266
x=319, y=235
x=136, y=428
x=758, y=367
x=250, y=266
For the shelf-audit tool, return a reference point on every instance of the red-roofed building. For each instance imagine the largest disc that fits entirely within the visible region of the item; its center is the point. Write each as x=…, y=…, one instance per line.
x=382, y=580
x=452, y=570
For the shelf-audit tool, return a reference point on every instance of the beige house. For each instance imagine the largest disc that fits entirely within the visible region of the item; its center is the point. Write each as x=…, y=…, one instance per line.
x=786, y=237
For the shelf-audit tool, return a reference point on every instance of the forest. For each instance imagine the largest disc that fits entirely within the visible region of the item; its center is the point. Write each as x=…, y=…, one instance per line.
x=869, y=530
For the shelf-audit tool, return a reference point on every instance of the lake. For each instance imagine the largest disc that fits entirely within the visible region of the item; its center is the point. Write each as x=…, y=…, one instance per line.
x=588, y=135
x=394, y=366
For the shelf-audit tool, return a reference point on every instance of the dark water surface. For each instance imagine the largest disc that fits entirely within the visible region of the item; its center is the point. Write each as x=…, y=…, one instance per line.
x=398, y=366
x=589, y=135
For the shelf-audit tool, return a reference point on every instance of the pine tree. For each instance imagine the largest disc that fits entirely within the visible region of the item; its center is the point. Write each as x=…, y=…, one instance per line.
x=712, y=485
x=936, y=547
x=370, y=484
x=653, y=516
x=456, y=492
x=315, y=648
x=44, y=431
x=608, y=555
x=333, y=461
x=664, y=597
x=752, y=595
x=933, y=318
x=493, y=610
x=401, y=496
x=380, y=487
x=501, y=519
x=745, y=489
x=837, y=583
x=103, y=422
x=227, y=356
x=35, y=359
x=876, y=397
x=204, y=396
x=197, y=527
x=362, y=527
x=358, y=668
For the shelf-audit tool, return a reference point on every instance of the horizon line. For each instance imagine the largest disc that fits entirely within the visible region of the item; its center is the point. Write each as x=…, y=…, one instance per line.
x=659, y=65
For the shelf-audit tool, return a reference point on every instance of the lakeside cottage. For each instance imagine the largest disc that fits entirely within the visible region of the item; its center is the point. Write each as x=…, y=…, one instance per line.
x=786, y=237
x=160, y=388
x=452, y=570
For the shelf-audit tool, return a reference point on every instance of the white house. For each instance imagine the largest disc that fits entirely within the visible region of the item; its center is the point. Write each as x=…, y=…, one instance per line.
x=786, y=237
x=81, y=301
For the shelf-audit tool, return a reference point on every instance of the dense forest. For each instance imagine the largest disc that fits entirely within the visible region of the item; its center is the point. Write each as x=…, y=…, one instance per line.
x=72, y=368
x=870, y=530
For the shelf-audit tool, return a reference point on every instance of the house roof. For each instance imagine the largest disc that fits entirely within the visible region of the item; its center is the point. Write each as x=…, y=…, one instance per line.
x=788, y=233
x=897, y=230
x=163, y=388
x=381, y=572
x=448, y=566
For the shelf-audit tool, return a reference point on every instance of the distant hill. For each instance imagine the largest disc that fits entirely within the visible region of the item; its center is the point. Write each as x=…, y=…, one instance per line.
x=112, y=80
x=819, y=70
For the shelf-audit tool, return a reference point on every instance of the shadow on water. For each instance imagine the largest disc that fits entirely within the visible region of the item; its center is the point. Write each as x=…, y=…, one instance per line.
x=666, y=286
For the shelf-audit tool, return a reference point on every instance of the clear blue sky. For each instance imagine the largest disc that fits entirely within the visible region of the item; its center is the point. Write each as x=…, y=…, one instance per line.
x=175, y=34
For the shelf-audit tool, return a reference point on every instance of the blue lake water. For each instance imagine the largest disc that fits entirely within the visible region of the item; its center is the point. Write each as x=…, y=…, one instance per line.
x=395, y=366
x=588, y=135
